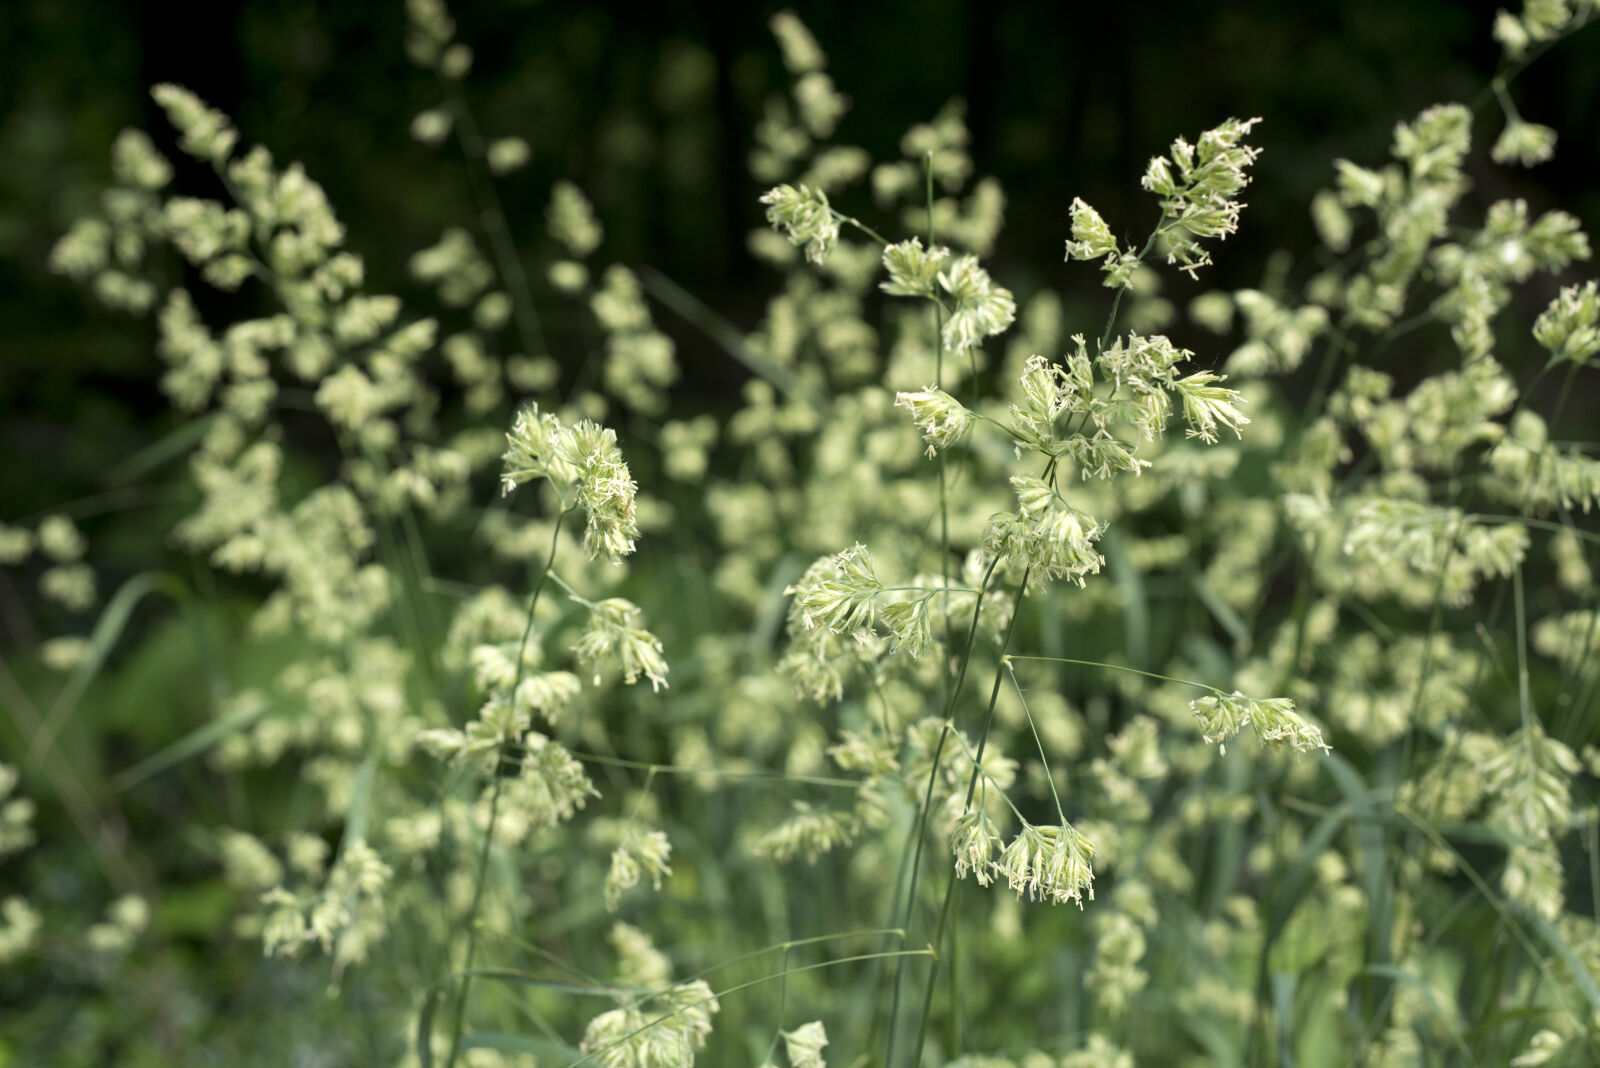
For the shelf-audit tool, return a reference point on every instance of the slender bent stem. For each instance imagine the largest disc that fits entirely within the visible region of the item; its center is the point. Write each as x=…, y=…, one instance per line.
x=927, y=801
x=1119, y=667
x=972, y=787
x=492, y=217
x=859, y=225
x=938, y=381
x=481, y=875
x=1038, y=742
x=1116, y=302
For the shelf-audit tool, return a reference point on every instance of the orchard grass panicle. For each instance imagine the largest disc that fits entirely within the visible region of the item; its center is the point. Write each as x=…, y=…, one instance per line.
x=924, y=634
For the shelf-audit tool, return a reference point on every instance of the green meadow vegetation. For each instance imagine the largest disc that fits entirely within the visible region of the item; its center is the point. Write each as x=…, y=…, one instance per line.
x=1209, y=679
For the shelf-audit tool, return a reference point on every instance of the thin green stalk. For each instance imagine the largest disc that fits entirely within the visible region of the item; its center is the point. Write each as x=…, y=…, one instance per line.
x=1591, y=841
x=927, y=801
x=783, y=1001
x=1037, y=741
x=737, y=987
x=871, y=982
x=938, y=381
x=972, y=787
x=1116, y=302
x=1524, y=699
x=1119, y=667
x=724, y=773
x=492, y=217
x=957, y=1004
x=859, y=225
x=480, y=876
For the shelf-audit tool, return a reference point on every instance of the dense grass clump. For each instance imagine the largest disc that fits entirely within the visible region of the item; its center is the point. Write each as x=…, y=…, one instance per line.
x=990, y=682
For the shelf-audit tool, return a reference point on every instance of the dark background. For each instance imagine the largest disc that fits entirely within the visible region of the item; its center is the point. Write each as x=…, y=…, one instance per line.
x=650, y=109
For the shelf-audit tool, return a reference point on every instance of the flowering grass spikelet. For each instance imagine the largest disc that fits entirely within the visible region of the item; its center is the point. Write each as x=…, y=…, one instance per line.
x=974, y=841
x=1274, y=720
x=640, y=853
x=913, y=271
x=612, y=636
x=1524, y=143
x=838, y=592
x=806, y=216
x=605, y=489
x=532, y=450
x=1569, y=328
x=207, y=133
x=1046, y=534
x=582, y=462
x=1198, y=190
x=667, y=1035
x=570, y=220
x=1205, y=405
x=980, y=308
x=809, y=833
x=1091, y=237
x=941, y=418
x=804, y=1045
x=1054, y=863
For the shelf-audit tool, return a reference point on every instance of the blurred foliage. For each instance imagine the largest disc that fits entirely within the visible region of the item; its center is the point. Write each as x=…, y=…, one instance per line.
x=650, y=109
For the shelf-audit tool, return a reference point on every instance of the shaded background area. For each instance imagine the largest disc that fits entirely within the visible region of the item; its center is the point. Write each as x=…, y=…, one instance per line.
x=650, y=109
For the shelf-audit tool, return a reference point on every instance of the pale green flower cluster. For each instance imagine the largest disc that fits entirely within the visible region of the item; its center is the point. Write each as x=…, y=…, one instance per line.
x=585, y=466
x=1045, y=535
x=639, y=854
x=570, y=219
x=19, y=921
x=665, y=1029
x=1370, y=549
x=1275, y=720
x=613, y=636
x=1116, y=977
x=345, y=916
x=1528, y=782
x=1570, y=327
x=1198, y=190
x=1055, y=863
x=978, y=307
x=805, y=1044
x=805, y=215
x=1541, y=22
x=66, y=580
x=126, y=919
x=941, y=418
